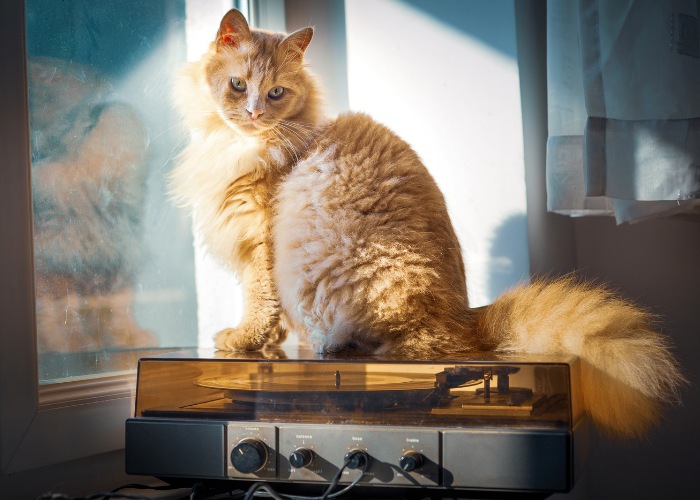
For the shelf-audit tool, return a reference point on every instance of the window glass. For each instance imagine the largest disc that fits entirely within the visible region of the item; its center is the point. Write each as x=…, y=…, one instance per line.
x=114, y=265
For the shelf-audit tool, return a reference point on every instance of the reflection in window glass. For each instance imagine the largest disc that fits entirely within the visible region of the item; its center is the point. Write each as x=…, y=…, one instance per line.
x=113, y=258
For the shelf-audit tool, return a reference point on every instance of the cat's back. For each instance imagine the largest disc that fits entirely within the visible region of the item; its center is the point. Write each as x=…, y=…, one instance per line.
x=360, y=142
x=359, y=215
x=360, y=164
x=362, y=177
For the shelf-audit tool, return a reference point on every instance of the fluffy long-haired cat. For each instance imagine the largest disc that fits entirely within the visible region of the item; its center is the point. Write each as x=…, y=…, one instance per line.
x=338, y=232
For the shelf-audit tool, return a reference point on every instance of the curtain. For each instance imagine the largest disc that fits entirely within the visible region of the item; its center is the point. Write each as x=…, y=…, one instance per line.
x=624, y=108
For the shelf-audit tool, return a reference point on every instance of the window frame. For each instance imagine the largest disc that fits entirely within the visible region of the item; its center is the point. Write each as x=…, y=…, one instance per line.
x=39, y=425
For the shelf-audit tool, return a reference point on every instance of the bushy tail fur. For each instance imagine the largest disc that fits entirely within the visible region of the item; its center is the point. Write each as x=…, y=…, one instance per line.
x=628, y=371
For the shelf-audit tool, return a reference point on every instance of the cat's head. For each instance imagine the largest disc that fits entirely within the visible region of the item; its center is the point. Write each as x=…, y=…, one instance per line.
x=258, y=79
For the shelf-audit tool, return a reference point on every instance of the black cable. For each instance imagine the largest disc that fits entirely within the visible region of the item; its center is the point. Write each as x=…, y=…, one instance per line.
x=254, y=490
x=200, y=490
x=338, y=475
x=103, y=496
x=268, y=490
x=262, y=486
x=136, y=486
x=336, y=479
x=110, y=494
x=96, y=496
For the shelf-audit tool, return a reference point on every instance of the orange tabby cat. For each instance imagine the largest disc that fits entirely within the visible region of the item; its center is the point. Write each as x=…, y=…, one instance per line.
x=338, y=232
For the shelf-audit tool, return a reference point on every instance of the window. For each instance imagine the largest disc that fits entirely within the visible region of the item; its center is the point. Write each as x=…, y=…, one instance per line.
x=99, y=268
x=113, y=262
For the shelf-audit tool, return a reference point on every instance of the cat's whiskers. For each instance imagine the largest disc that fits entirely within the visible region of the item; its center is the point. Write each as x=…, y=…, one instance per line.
x=287, y=130
x=304, y=136
x=302, y=132
x=165, y=131
x=298, y=126
x=176, y=149
x=287, y=144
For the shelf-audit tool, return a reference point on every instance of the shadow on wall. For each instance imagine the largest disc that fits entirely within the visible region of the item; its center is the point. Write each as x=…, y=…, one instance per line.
x=509, y=262
x=473, y=18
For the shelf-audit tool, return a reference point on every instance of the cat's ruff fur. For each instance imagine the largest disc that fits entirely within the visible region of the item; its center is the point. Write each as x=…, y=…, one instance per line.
x=338, y=231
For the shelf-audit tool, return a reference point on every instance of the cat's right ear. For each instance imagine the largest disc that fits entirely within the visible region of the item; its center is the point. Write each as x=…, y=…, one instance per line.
x=295, y=43
x=233, y=30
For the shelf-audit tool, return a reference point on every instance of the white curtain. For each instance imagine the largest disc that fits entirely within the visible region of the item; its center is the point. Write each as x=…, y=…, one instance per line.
x=623, y=82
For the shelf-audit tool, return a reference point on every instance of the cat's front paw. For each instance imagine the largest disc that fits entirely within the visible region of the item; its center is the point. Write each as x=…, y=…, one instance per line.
x=240, y=339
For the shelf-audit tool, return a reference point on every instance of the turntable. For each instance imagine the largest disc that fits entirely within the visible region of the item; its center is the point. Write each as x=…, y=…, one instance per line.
x=386, y=427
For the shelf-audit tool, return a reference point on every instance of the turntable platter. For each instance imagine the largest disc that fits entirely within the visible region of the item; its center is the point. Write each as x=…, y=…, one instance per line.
x=321, y=381
x=359, y=390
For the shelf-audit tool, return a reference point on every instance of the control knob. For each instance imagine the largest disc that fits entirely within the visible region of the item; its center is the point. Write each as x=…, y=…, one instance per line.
x=249, y=455
x=301, y=457
x=356, y=459
x=411, y=460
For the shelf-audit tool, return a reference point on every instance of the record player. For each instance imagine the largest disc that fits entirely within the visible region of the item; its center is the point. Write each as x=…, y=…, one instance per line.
x=412, y=428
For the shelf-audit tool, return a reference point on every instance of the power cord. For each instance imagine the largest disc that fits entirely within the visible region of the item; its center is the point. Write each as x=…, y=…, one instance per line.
x=115, y=493
x=264, y=489
x=358, y=458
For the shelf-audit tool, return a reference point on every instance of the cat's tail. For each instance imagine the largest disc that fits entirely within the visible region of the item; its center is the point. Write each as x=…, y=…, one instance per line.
x=628, y=372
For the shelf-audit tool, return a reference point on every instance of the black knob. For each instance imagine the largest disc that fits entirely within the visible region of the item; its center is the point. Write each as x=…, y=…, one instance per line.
x=249, y=455
x=356, y=459
x=411, y=460
x=301, y=458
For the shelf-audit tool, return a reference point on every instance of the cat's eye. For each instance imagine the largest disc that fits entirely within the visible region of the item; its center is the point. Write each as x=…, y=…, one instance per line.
x=276, y=93
x=238, y=84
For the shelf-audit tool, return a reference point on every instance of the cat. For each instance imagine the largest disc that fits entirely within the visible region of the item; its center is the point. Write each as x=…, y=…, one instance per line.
x=89, y=167
x=338, y=232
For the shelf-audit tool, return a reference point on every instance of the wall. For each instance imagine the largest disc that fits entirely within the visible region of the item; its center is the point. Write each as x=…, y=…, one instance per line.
x=327, y=54
x=654, y=263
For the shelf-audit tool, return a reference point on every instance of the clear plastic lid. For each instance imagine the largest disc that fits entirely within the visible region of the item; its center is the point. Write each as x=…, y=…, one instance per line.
x=484, y=390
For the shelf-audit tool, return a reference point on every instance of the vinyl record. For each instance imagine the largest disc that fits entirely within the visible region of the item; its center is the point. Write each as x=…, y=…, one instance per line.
x=327, y=389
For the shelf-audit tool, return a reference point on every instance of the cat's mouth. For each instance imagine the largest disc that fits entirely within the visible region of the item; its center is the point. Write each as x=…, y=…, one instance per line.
x=245, y=125
x=256, y=125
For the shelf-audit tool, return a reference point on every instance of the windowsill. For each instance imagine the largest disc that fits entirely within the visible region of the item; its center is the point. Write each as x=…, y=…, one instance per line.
x=68, y=367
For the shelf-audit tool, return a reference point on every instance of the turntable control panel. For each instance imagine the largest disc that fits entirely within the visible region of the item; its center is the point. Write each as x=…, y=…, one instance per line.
x=315, y=453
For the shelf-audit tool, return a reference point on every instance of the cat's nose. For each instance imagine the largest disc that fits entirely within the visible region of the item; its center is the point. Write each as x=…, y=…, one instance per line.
x=254, y=113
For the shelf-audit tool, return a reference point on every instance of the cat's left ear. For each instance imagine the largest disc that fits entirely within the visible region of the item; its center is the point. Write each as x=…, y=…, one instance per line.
x=233, y=30
x=296, y=43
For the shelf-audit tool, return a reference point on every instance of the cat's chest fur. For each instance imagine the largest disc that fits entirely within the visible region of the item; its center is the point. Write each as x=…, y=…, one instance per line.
x=229, y=184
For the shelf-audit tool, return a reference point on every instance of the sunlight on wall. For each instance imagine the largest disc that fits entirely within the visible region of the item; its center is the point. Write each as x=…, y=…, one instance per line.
x=219, y=294
x=456, y=100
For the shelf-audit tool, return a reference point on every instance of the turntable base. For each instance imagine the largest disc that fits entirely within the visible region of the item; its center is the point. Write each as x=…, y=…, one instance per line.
x=439, y=428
